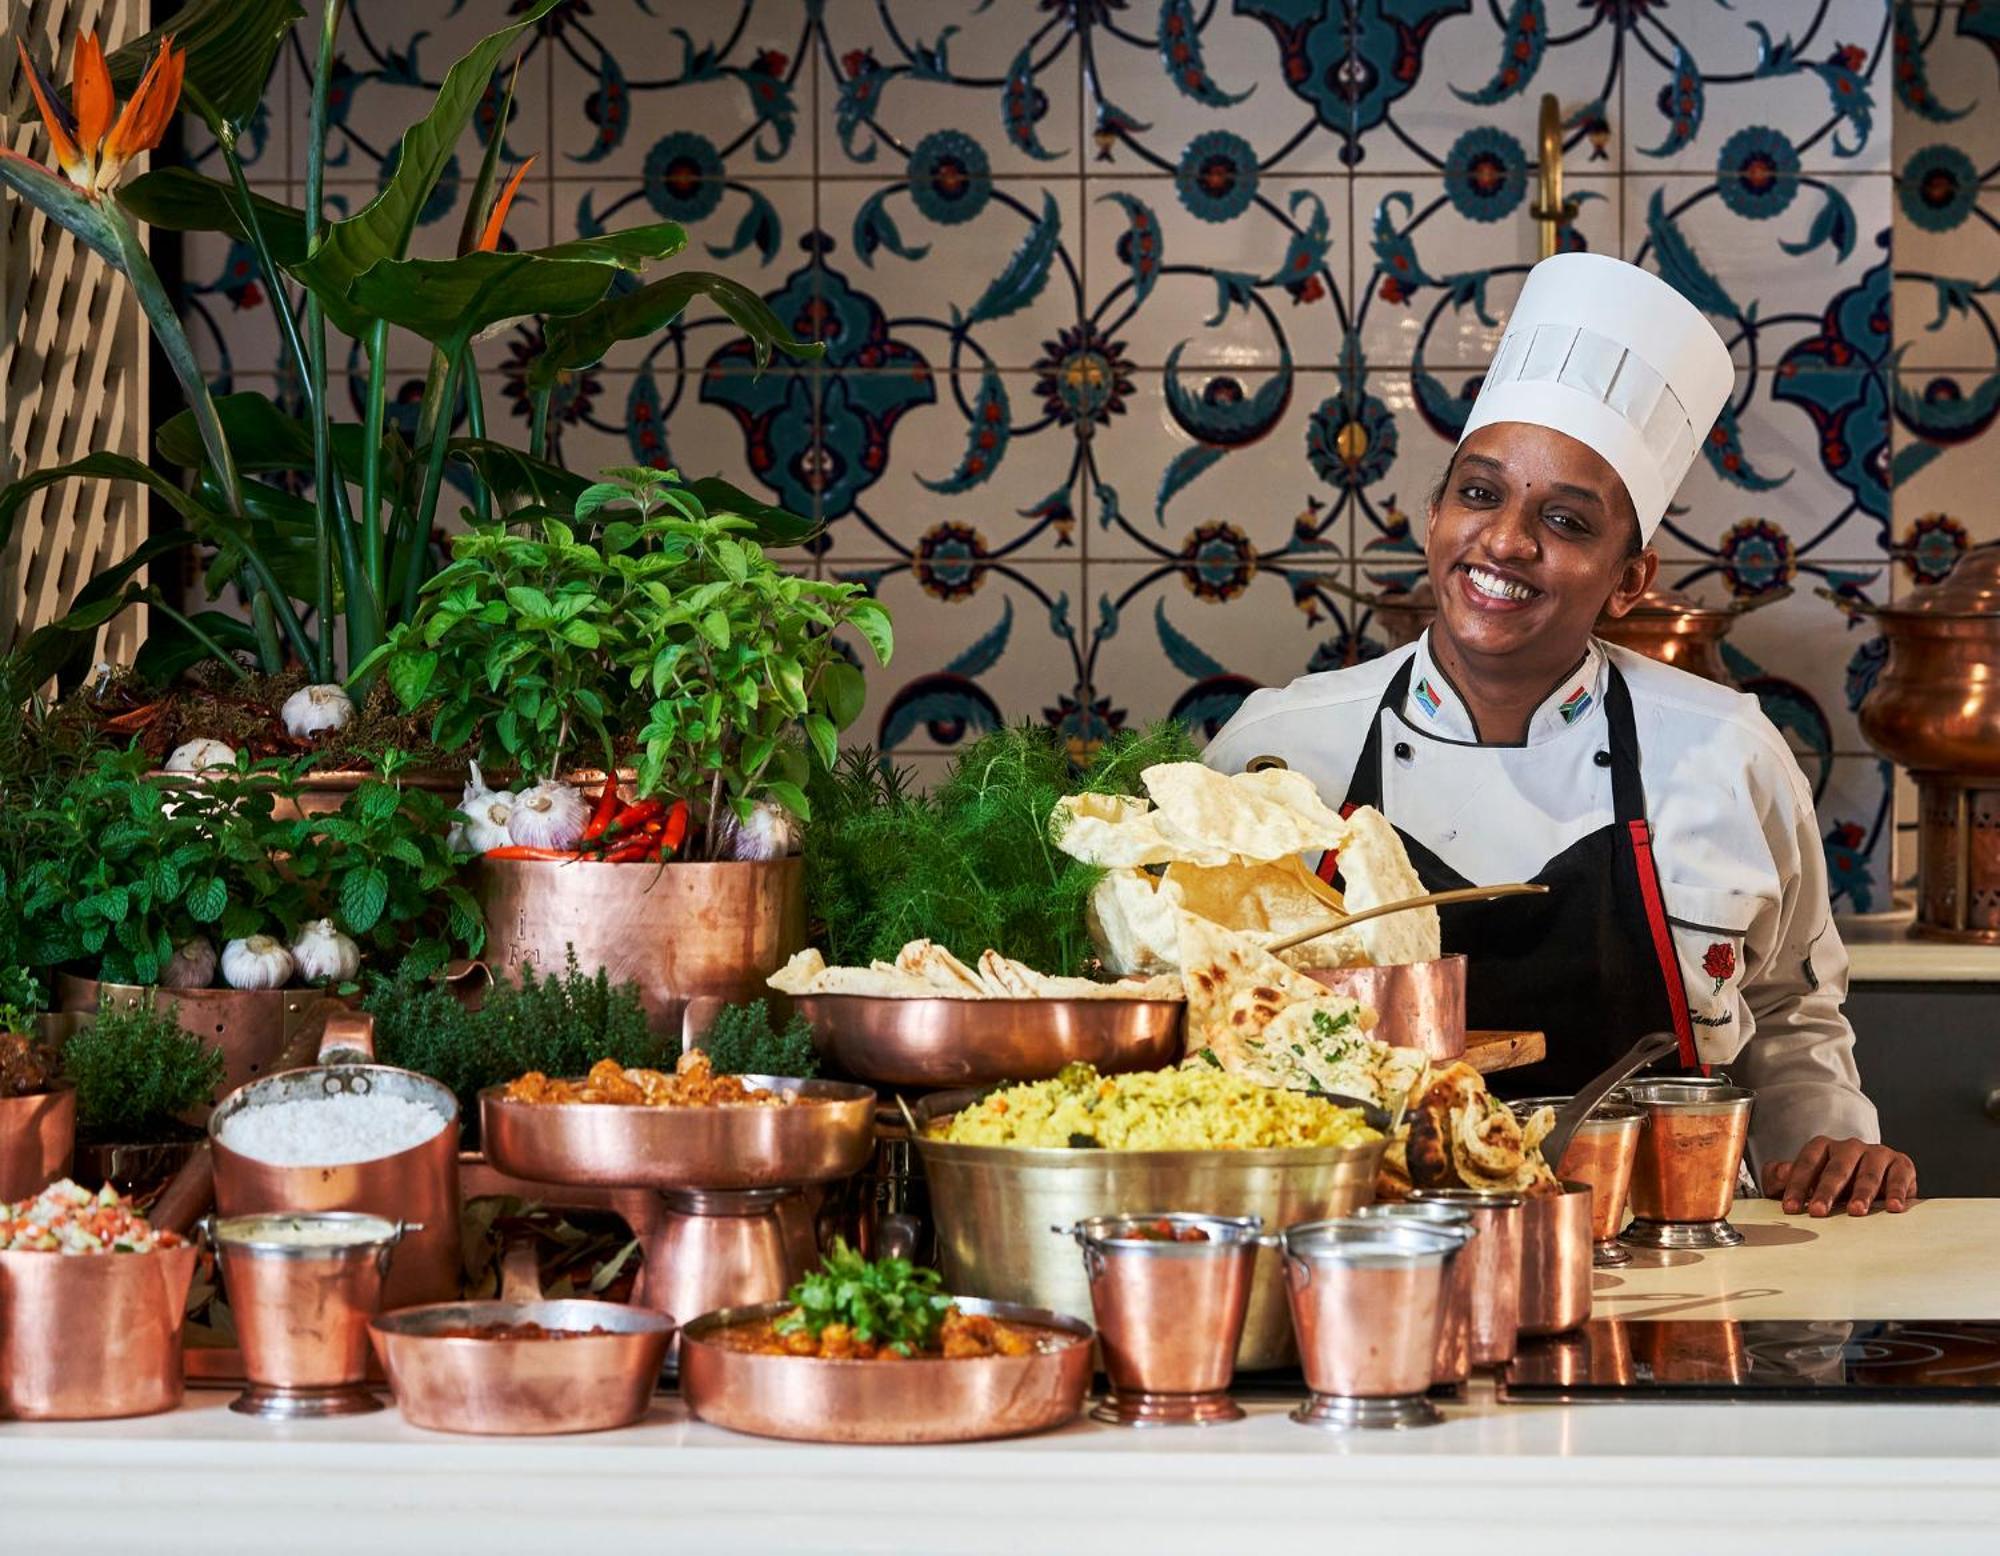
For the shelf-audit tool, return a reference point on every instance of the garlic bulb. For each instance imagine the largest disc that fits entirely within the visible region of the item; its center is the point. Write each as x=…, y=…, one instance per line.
x=550, y=815
x=256, y=963
x=771, y=833
x=313, y=710
x=324, y=955
x=192, y=966
x=194, y=756
x=487, y=811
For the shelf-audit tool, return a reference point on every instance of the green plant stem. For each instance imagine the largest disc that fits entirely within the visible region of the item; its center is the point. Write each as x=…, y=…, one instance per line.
x=538, y=432
x=475, y=426
x=371, y=468
x=413, y=573
x=158, y=602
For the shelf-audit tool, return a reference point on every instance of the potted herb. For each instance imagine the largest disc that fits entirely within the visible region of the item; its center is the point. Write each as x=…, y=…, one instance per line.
x=37, y=1106
x=143, y=1084
x=649, y=629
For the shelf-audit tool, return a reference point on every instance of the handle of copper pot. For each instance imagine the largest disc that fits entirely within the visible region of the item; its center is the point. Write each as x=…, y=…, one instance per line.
x=1757, y=602
x=1848, y=602
x=1298, y=1273
x=348, y=1038
x=188, y=1194
x=388, y=1249
x=1654, y=1045
x=520, y=1273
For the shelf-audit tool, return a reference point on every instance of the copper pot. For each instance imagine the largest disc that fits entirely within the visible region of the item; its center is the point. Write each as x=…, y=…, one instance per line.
x=1601, y=1153
x=1418, y=1005
x=1556, y=1260
x=416, y=1185
x=1685, y=1178
x=1495, y=1257
x=37, y=1140
x=251, y=1027
x=694, y=937
x=1935, y=709
x=1451, y=1363
x=89, y=1337
x=323, y=793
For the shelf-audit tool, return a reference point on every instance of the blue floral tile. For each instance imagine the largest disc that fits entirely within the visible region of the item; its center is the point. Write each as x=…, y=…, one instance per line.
x=1947, y=247
x=1766, y=257
x=391, y=57
x=1855, y=813
x=639, y=91
x=1439, y=261
x=1819, y=69
x=1945, y=440
x=1171, y=86
x=1222, y=472
x=976, y=647
x=227, y=310
x=1475, y=66
x=970, y=270
x=1947, y=83
x=973, y=467
x=892, y=74
x=1167, y=282
x=1161, y=646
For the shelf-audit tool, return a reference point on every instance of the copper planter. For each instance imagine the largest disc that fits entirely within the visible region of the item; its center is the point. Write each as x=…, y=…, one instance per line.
x=37, y=1140
x=89, y=1337
x=694, y=937
x=1419, y=1005
x=251, y=1027
x=1935, y=709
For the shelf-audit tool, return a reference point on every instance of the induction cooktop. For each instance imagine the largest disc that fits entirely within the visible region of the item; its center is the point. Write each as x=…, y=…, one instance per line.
x=1866, y=1360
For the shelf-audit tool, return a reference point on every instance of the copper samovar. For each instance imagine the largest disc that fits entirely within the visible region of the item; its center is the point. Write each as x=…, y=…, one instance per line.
x=1935, y=709
x=1666, y=624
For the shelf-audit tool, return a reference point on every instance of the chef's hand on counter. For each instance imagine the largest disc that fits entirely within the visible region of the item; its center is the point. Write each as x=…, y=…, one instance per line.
x=1829, y=1171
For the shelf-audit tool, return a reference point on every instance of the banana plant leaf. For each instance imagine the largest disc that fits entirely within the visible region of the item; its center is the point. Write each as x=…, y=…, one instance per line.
x=266, y=440
x=65, y=647
x=103, y=467
x=449, y=301
x=775, y=526
x=179, y=199
x=516, y=477
x=382, y=228
x=231, y=46
x=581, y=341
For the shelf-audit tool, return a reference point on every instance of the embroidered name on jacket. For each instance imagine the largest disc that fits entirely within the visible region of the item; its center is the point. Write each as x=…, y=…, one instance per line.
x=1574, y=706
x=1428, y=698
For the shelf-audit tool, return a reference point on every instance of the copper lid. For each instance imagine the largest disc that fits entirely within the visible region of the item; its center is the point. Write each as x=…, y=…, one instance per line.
x=1971, y=588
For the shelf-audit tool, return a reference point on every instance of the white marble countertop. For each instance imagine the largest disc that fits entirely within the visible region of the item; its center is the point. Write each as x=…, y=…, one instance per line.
x=1880, y=949
x=1717, y=1478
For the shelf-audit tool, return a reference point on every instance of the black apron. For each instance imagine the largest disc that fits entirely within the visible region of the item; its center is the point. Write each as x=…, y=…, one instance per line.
x=1592, y=964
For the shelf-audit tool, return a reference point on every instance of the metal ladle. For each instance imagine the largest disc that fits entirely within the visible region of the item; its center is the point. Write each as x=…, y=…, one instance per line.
x=1429, y=899
x=1652, y=1046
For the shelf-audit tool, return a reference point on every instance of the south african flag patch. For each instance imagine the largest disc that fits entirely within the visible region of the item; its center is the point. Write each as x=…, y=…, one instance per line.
x=1574, y=706
x=1428, y=698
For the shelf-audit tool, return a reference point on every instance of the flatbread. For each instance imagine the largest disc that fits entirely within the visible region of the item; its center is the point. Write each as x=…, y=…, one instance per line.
x=799, y=974
x=931, y=964
x=1112, y=831
x=1255, y=816
x=924, y=970
x=1461, y=1136
x=1131, y=920
x=807, y=973
x=1376, y=869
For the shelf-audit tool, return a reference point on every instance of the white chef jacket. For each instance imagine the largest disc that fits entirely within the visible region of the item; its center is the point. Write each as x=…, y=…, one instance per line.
x=1734, y=832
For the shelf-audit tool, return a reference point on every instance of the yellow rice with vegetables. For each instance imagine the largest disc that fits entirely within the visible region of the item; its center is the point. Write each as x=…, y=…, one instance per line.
x=1195, y=1109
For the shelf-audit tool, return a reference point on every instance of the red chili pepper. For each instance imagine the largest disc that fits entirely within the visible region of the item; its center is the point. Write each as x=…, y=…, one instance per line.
x=637, y=814
x=677, y=828
x=522, y=851
x=607, y=807
x=653, y=854
x=629, y=851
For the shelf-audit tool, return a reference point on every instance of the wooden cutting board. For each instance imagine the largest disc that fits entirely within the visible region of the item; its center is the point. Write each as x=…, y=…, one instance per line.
x=1490, y=1051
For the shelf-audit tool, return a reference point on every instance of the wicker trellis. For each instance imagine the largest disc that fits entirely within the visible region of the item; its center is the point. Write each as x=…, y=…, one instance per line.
x=72, y=356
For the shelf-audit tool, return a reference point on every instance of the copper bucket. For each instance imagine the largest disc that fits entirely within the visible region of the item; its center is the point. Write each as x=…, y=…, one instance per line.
x=89, y=1337
x=1367, y=1298
x=251, y=1028
x=1689, y=1153
x=1451, y=1364
x=37, y=1140
x=418, y=1185
x=1419, y=1005
x=694, y=937
x=1601, y=1153
x=1169, y=1314
x=302, y=1307
x=1555, y=1260
x=1495, y=1257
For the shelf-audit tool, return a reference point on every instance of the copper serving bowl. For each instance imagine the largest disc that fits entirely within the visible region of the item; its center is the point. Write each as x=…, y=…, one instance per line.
x=1684, y=1181
x=37, y=1140
x=826, y=1134
x=939, y=1043
x=581, y=1382
x=1418, y=1005
x=90, y=1337
x=924, y=1400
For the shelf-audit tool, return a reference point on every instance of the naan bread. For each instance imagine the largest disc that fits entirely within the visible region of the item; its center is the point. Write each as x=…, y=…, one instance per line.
x=930, y=963
x=1461, y=1136
x=923, y=970
x=1376, y=869
x=799, y=974
x=1255, y=816
x=807, y=973
x=1131, y=920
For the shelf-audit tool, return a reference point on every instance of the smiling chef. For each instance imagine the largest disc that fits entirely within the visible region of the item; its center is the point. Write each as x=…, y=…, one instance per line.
x=1675, y=832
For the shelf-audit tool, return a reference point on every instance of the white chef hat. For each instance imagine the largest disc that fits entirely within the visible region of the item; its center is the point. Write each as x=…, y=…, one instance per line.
x=1616, y=358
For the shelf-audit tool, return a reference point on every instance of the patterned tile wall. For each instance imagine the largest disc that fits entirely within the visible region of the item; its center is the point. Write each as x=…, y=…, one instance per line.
x=1151, y=322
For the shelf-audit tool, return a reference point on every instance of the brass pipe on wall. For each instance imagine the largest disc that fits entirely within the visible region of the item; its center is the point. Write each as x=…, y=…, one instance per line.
x=1552, y=212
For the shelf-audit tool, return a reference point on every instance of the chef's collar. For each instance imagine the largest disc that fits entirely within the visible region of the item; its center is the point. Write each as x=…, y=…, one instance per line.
x=1435, y=708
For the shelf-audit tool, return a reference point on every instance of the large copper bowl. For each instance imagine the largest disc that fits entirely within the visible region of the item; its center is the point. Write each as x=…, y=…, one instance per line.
x=89, y=1337
x=1418, y=1005
x=939, y=1043
x=827, y=1134
x=994, y=1205
x=37, y=1140
x=926, y=1400
x=694, y=937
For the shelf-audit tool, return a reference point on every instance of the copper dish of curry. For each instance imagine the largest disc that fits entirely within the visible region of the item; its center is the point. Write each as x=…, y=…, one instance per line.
x=694, y=1084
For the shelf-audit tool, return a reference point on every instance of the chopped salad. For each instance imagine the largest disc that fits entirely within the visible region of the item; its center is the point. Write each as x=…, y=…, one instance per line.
x=67, y=1218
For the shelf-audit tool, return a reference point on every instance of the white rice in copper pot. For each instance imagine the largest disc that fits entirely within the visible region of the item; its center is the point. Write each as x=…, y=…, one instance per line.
x=330, y=1131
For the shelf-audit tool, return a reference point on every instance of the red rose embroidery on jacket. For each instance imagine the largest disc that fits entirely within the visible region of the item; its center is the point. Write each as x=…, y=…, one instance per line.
x=1719, y=962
